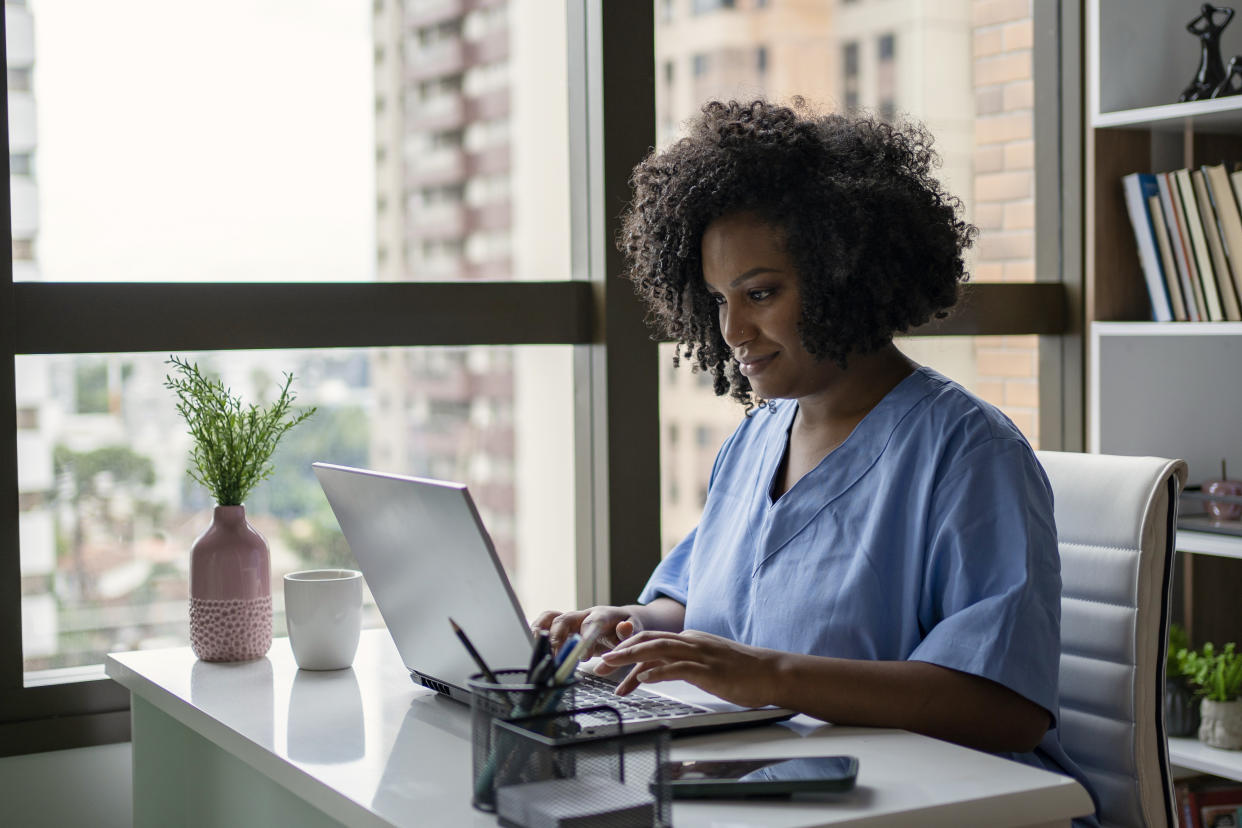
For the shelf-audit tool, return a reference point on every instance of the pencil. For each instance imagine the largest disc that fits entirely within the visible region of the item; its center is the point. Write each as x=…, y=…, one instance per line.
x=478, y=659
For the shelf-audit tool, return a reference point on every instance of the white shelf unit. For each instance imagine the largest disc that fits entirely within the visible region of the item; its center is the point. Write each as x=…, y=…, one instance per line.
x=1191, y=754
x=1166, y=389
x=1207, y=543
x=1213, y=115
x=1142, y=61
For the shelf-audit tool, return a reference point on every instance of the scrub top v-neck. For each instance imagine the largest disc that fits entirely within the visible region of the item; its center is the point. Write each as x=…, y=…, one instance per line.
x=926, y=535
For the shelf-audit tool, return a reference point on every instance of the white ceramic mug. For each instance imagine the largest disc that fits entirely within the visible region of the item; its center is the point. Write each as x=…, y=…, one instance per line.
x=323, y=610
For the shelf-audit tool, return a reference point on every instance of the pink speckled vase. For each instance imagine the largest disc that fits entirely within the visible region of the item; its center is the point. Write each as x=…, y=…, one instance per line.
x=230, y=590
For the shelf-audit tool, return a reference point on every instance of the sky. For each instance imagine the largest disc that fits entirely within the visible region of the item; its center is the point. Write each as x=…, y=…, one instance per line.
x=201, y=142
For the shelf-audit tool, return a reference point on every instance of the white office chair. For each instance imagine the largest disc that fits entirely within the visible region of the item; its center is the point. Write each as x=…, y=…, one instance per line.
x=1115, y=526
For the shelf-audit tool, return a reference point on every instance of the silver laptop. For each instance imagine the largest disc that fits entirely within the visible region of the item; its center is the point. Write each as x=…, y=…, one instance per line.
x=426, y=557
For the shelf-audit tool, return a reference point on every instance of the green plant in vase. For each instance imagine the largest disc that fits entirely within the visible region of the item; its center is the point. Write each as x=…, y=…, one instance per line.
x=1175, y=656
x=230, y=566
x=1181, y=706
x=1217, y=677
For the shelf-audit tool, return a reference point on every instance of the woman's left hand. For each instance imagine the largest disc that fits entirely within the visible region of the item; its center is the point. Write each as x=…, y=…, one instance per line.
x=735, y=672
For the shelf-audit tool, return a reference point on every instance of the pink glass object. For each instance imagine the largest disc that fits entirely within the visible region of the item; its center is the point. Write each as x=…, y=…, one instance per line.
x=230, y=590
x=1219, y=509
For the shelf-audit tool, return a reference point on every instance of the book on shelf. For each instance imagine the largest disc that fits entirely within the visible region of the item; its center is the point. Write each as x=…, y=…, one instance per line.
x=1187, y=277
x=1230, y=218
x=1220, y=816
x=1188, y=232
x=1198, y=243
x=1205, y=801
x=1167, y=263
x=1234, y=178
x=1138, y=188
x=1216, y=250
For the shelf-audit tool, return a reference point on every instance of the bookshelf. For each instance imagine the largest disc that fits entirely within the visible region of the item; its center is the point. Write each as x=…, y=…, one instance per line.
x=1172, y=388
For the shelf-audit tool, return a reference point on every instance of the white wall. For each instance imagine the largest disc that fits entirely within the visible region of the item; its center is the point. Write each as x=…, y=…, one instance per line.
x=87, y=786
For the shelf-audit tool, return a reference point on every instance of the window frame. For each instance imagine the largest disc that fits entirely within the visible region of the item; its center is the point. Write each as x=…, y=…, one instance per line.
x=611, y=100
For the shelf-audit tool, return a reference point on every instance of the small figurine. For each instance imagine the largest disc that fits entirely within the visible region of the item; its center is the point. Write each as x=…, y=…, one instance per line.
x=1232, y=84
x=1211, y=72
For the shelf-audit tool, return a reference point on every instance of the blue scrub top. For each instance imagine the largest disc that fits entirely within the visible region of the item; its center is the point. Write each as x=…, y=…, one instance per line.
x=927, y=535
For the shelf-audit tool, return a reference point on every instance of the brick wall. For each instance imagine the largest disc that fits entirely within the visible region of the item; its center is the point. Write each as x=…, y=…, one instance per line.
x=1004, y=197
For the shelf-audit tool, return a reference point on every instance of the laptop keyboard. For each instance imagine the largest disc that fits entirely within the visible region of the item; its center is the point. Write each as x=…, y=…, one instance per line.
x=591, y=690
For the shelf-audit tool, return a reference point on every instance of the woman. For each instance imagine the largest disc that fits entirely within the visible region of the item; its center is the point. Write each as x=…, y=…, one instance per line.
x=877, y=546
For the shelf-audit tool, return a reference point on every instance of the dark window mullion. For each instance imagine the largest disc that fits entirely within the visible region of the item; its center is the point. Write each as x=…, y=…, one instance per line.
x=67, y=318
x=10, y=563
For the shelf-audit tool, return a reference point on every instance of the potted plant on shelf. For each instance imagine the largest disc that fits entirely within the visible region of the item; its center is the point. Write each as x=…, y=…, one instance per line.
x=1217, y=675
x=1181, y=708
x=230, y=567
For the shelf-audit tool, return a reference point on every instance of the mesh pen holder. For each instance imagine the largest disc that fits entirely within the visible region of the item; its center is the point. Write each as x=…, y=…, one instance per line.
x=510, y=697
x=591, y=745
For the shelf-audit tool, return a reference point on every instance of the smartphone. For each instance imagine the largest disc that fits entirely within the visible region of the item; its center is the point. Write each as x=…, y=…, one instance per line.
x=785, y=776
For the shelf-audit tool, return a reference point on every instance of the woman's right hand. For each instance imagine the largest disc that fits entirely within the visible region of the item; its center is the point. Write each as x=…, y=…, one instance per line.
x=616, y=623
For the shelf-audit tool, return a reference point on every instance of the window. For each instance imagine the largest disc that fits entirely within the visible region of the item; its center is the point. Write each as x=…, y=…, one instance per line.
x=849, y=76
x=104, y=547
x=20, y=163
x=700, y=64
x=886, y=76
x=887, y=47
x=449, y=30
x=95, y=545
x=761, y=59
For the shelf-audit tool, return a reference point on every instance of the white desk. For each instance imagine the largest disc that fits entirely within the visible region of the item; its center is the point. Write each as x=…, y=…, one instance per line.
x=262, y=743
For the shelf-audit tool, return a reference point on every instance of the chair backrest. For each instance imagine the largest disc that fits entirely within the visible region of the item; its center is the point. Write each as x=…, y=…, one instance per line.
x=1116, y=530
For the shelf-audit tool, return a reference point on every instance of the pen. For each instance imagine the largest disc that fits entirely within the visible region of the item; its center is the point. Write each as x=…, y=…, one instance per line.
x=478, y=659
x=542, y=674
x=584, y=645
x=537, y=655
x=567, y=648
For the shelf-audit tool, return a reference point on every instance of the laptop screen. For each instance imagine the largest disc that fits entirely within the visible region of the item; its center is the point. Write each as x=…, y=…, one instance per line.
x=426, y=557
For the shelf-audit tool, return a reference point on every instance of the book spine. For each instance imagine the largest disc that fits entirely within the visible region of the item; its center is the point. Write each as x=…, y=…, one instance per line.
x=1211, y=232
x=1168, y=265
x=1177, y=235
x=1227, y=212
x=1181, y=792
x=1144, y=236
x=1203, y=261
x=1235, y=185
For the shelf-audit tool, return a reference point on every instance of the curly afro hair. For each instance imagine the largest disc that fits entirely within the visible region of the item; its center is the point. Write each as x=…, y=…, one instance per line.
x=877, y=242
